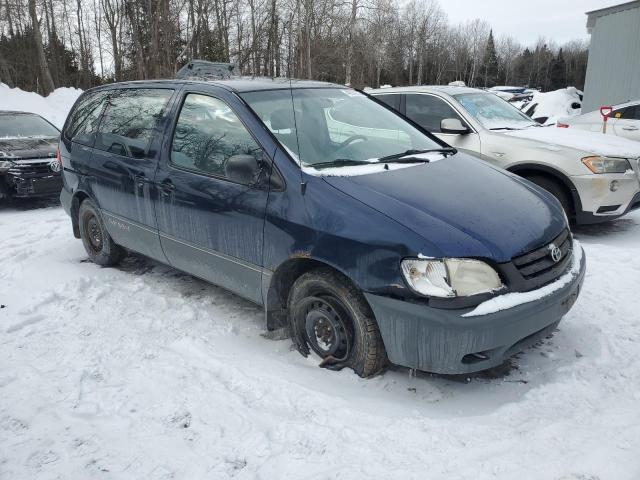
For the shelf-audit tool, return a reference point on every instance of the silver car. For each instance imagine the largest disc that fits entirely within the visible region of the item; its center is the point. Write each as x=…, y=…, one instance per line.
x=596, y=177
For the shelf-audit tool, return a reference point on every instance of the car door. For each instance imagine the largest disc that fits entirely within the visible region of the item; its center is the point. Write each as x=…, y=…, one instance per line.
x=429, y=110
x=210, y=224
x=628, y=123
x=123, y=166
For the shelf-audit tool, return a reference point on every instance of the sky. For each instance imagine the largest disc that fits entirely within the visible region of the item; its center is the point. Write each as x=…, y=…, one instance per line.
x=526, y=20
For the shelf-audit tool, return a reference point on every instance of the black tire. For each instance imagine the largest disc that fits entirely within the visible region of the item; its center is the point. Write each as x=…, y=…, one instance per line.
x=96, y=240
x=555, y=188
x=325, y=301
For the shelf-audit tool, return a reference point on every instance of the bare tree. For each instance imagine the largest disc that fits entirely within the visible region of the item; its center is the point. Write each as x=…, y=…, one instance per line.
x=46, y=79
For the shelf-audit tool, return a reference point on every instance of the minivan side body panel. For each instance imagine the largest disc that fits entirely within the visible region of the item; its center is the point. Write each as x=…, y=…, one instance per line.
x=210, y=226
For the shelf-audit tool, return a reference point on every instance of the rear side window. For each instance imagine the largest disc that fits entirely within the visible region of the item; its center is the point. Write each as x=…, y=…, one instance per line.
x=130, y=121
x=207, y=134
x=631, y=113
x=83, y=121
x=393, y=100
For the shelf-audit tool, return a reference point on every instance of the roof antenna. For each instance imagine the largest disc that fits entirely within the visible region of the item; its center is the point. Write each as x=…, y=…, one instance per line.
x=303, y=184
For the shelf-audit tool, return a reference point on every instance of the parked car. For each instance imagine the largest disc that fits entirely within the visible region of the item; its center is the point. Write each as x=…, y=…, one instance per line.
x=624, y=121
x=595, y=178
x=28, y=164
x=368, y=247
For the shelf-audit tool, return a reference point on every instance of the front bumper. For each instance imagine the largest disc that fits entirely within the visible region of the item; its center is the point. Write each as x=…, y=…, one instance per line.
x=599, y=202
x=443, y=341
x=23, y=186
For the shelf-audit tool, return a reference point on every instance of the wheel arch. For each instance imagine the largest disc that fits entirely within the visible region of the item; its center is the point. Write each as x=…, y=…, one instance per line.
x=276, y=287
x=529, y=169
x=78, y=197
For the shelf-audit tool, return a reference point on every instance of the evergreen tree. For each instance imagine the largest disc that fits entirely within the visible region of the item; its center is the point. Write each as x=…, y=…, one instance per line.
x=490, y=62
x=558, y=73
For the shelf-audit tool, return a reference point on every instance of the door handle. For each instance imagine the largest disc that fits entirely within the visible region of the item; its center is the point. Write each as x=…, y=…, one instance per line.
x=630, y=128
x=167, y=187
x=140, y=180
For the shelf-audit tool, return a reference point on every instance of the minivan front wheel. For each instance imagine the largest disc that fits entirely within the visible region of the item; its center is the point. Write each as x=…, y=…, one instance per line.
x=97, y=242
x=330, y=317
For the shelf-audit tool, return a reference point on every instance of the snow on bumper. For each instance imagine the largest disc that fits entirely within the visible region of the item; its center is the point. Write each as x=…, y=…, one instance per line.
x=510, y=300
x=449, y=342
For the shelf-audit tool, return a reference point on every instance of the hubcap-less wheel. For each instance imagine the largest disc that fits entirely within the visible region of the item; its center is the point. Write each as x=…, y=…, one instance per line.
x=94, y=233
x=327, y=330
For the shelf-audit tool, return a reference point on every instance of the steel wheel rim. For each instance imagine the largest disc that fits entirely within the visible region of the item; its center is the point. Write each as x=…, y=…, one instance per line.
x=326, y=328
x=93, y=233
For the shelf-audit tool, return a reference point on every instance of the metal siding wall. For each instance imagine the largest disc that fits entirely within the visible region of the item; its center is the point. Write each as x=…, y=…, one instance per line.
x=613, y=71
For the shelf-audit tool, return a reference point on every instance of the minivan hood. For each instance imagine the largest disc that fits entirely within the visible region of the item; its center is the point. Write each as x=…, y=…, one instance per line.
x=590, y=142
x=26, y=148
x=462, y=207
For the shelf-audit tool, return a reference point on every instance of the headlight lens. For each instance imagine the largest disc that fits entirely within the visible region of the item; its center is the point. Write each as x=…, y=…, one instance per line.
x=606, y=165
x=450, y=277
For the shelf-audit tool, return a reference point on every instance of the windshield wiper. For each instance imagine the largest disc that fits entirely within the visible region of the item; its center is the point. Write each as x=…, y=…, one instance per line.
x=340, y=162
x=514, y=128
x=400, y=157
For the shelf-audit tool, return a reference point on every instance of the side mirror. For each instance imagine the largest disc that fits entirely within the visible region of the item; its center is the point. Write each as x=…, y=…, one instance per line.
x=243, y=169
x=453, y=125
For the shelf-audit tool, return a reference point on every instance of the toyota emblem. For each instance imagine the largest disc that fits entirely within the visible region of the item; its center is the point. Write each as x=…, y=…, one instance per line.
x=54, y=165
x=556, y=253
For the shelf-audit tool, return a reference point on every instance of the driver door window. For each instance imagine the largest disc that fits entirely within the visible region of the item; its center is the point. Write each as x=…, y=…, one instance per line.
x=207, y=134
x=428, y=111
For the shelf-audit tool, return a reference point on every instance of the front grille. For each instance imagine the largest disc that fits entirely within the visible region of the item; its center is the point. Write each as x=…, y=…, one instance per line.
x=30, y=167
x=539, y=265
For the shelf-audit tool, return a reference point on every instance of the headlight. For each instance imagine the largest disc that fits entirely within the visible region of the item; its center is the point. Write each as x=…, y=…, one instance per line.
x=606, y=165
x=450, y=277
x=5, y=165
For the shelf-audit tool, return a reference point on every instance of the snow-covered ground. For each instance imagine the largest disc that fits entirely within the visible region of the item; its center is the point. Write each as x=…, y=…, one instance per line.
x=142, y=372
x=54, y=107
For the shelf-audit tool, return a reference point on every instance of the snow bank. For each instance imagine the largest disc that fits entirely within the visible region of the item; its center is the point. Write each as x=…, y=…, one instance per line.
x=510, y=300
x=54, y=107
x=592, y=142
x=554, y=105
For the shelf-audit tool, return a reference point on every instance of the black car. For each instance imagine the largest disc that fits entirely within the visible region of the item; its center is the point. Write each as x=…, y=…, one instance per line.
x=28, y=162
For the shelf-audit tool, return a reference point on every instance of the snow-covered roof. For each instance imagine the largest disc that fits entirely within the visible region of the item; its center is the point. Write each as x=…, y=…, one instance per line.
x=449, y=89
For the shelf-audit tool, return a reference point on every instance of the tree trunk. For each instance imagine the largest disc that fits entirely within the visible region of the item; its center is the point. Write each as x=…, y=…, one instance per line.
x=352, y=28
x=47, y=81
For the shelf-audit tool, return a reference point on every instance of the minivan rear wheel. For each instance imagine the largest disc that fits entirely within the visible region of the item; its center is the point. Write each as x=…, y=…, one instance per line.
x=97, y=242
x=330, y=317
x=555, y=189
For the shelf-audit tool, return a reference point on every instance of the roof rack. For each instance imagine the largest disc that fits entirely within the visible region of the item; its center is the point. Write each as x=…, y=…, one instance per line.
x=204, y=70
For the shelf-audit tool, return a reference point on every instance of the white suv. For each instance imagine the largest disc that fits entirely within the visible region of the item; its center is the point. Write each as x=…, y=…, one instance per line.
x=596, y=177
x=624, y=121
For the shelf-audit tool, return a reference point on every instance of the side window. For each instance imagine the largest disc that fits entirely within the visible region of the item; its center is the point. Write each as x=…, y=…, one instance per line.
x=631, y=113
x=207, y=134
x=393, y=100
x=130, y=121
x=428, y=111
x=83, y=121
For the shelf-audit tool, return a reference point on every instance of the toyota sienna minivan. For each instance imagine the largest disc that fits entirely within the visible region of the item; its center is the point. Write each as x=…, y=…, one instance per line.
x=376, y=247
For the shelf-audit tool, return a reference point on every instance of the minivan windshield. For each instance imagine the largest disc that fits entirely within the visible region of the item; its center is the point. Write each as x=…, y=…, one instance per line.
x=334, y=126
x=493, y=112
x=26, y=126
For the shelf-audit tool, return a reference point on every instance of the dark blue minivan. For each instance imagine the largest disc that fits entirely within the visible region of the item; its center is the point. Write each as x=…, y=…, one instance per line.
x=366, y=238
